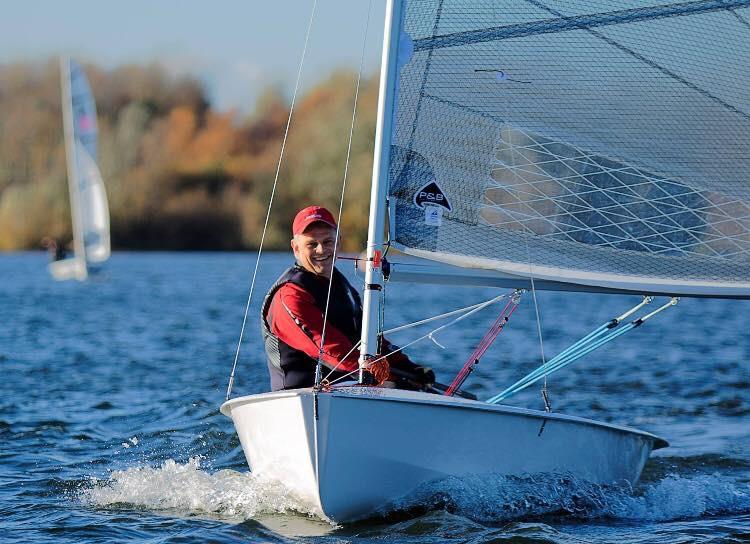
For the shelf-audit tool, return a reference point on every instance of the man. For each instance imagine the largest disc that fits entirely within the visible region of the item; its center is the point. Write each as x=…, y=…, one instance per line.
x=293, y=313
x=55, y=249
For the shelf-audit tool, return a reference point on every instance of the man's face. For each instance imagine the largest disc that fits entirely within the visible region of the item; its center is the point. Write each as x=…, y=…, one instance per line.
x=313, y=249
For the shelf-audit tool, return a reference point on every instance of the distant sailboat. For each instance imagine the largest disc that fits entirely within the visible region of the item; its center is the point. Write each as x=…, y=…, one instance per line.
x=88, y=199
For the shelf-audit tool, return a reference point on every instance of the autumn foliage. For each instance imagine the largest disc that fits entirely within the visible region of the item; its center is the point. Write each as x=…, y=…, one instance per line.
x=178, y=173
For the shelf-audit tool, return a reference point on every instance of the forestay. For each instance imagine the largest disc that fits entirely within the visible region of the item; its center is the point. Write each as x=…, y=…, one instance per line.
x=602, y=144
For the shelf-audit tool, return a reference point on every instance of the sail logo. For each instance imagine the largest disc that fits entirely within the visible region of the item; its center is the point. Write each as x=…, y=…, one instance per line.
x=432, y=194
x=84, y=123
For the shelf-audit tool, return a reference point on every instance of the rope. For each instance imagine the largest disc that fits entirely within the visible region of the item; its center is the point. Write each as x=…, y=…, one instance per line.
x=545, y=396
x=270, y=202
x=341, y=200
x=470, y=309
x=484, y=344
x=475, y=308
x=594, y=340
x=479, y=305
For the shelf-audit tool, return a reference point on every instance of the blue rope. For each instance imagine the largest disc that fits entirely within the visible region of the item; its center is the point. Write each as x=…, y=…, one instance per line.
x=582, y=347
x=594, y=334
x=544, y=369
x=594, y=340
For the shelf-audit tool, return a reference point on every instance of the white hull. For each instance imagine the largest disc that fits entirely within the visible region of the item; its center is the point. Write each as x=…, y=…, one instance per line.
x=68, y=269
x=371, y=446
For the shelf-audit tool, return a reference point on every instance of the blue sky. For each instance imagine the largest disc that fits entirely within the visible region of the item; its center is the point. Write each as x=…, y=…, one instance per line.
x=236, y=47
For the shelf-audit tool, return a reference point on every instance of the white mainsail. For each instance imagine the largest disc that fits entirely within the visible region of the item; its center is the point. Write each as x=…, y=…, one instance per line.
x=603, y=145
x=88, y=198
x=95, y=213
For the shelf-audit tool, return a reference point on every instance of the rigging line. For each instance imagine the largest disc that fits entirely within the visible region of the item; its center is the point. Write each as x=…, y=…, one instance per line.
x=381, y=317
x=474, y=309
x=584, y=342
x=565, y=361
x=477, y=306
x=270, y=202
x=484, y=344
x=547, y=406
x=357, y=259
x=341, y=200
x=431, y=333
x=526, y=382
x=338, y=364
x=593, y=336
x=649, y=62
x=552, y=365
x=538, y=319
x=447, y=314
x=594, y=343
x=470, y=309
x=343, y=377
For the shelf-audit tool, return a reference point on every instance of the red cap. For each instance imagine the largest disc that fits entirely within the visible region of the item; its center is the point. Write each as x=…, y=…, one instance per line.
x=310, y=215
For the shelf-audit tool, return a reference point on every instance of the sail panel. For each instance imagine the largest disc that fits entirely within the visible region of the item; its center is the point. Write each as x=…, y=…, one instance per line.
x=85, y=128
x=94, y=208
x=597, y=147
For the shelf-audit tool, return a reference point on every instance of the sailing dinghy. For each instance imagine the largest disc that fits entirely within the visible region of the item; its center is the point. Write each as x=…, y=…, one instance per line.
x=550, y=146
x=88, y=199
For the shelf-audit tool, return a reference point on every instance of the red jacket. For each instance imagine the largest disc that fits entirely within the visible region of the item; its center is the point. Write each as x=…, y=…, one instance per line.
x=295, y=319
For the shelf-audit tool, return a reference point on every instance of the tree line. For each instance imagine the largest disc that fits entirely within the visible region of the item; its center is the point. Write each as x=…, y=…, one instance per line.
x=179, y=174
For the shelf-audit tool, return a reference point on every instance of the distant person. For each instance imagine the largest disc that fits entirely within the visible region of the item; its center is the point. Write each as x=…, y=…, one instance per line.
x=293, y=310
x=55, y=248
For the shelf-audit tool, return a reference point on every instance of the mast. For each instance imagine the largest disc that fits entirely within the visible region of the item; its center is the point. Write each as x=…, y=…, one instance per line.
x=379, y=190
x=70, y=154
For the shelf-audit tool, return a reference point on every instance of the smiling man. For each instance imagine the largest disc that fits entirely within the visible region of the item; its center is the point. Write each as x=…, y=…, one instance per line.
x=293, y=313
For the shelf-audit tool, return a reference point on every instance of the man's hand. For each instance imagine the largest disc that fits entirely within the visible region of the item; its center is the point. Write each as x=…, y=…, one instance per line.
x=417, y=378
x=424, y=375
x=380, y=369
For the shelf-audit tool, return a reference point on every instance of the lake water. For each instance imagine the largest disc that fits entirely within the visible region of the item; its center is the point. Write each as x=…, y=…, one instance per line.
x=111, y=432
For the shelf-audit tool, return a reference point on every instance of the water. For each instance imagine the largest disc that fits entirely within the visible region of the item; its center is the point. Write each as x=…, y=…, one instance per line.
x=110, y=428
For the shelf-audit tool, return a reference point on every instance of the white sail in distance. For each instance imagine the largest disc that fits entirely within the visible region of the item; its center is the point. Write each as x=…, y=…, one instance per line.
x=88, y=197
x=597, y=145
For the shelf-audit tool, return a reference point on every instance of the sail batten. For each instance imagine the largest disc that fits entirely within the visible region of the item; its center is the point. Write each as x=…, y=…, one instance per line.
x=596, y=148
